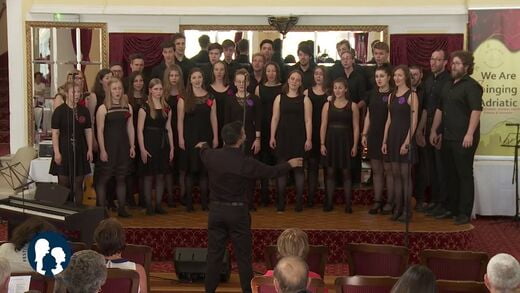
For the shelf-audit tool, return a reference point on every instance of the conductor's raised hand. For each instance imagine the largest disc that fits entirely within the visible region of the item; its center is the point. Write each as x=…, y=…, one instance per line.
x=296, y=162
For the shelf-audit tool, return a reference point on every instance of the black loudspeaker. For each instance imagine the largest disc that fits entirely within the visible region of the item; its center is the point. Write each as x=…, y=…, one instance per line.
x=51, y=193
x=190, y=264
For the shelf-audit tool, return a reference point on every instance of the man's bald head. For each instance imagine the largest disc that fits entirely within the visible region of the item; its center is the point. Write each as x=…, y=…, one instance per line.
x=291, y=275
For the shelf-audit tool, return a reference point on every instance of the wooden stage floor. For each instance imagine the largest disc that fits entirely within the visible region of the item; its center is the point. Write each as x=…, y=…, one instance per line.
x=310, y=219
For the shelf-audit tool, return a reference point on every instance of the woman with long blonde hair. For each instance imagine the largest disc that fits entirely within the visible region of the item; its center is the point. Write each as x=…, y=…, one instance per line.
x=154, y=133
x=115, y=135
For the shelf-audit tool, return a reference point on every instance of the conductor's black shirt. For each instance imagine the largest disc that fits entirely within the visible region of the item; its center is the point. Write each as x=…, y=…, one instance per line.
x=230, y=172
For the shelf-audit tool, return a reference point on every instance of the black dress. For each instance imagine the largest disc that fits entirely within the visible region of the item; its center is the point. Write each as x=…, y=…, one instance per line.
x=267, y=96
x=290, y=134
x=253, y=119
x=117, y=145
x=197, y=128
x=62, y=119
x=136, y=104
x=378, y=106
x=399, y=126
x=340, y=136
x=155, y=142
x=317, y=105
x=221, y=98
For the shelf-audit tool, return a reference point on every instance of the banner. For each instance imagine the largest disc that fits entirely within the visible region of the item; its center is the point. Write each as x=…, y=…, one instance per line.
x=494, y=38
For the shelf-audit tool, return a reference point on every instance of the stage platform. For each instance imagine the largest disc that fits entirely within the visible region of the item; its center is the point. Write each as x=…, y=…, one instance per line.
x=334, y=229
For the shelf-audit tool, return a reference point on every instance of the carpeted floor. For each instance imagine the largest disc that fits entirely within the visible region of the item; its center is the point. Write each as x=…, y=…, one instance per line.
x=491, y=234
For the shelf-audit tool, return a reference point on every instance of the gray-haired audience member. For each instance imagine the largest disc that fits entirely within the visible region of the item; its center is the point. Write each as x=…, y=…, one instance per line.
x=5, y=274
x=503, y=274
x=86, y=272
x=291, y=275
x=416, y=279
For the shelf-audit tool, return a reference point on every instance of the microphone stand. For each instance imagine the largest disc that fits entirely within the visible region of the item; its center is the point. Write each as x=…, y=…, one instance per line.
x=73, y=143
x=406, y=202
x=244, y=108
x=516, y=146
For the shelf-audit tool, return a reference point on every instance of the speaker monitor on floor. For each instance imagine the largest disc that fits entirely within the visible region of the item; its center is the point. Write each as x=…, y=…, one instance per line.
x=190, y=264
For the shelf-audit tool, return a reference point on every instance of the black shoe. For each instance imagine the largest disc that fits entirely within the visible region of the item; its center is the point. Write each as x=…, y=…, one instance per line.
x=421, y=207
x=376, y=208
x=446, y=215
x=190, y=209
x=430, y=207
x=298, y=209
x=437, y=212
x=149, y=211
x=396, y=215
x=405, y=217
x=252, y=208
x=348, y=209
x=159, y=210
x=462, y=220
x=171, y=204
x=327, y=208
x=123, y=214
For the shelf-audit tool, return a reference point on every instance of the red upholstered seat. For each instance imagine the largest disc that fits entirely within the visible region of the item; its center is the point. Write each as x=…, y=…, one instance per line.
x=364, y=284
x=316, y=258
x=264, y=284
x=445, y=286
x=121, y=281
x=455, y=265
x=376, y=260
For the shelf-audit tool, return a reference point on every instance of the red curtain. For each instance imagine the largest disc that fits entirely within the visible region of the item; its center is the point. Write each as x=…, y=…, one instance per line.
x=122, y=45
x=416, y=49
x=361, y=40
x=86, y=43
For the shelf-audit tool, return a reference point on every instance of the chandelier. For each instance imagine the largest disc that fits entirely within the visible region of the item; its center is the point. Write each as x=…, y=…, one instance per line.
x=283, y=24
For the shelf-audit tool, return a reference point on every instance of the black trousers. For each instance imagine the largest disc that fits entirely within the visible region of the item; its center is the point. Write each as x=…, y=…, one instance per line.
x=431, y=173
x=229, y=222
x=458, y=165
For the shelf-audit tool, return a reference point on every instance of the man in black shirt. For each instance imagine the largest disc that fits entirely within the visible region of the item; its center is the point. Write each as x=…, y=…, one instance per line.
x=228, y=49
x=432, y=87
x=168, y=52
x=179, y=42
x=230, y=173
x=202, y=56
x=459, y=110
x=305, y=65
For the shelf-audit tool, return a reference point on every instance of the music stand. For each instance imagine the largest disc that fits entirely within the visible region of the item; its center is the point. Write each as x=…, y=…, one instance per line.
x=513, y=141
x=16, y=178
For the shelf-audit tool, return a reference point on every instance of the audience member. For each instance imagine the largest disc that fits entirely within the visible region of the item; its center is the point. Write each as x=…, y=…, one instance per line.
x=110, y=238
x=503, y=274
x=15, y=251
x=291, y=275
x=5, y=273
x=293, y=242
x=416, y=279
x=86, y=273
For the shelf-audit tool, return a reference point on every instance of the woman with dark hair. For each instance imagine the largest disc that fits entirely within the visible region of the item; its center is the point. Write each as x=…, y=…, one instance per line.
x=372, y=139
x=196, y=122
x=221, y=90
x=137, y=96
x=68, y=160
x=154, y=134
x=417, y=278
x=268, y=89
x=339, y=136
x=110, y=239
x=115, y=132
x=173, y=87
x=291, y=133
x=252, y=119
x=15, y=251
x=98, y=92
x=397, y=144
x=318, y=94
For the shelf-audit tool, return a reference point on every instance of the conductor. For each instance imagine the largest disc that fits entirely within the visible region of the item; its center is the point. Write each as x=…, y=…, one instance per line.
x=230, y=172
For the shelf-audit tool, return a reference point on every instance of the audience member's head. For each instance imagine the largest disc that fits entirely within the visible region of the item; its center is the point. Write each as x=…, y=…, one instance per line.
x=86, y=272
x=416, y=279
x=503, y=274
x=204, y=42
x=28, y=229
x=110, y=237
x=291, y=275
x=293, y=242
x=5, y=273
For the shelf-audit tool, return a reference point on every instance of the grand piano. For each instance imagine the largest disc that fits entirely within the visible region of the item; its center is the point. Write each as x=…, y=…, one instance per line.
x=84, y=220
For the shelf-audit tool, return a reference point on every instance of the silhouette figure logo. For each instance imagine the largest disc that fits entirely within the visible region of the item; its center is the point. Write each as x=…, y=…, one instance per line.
x=49, y=253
